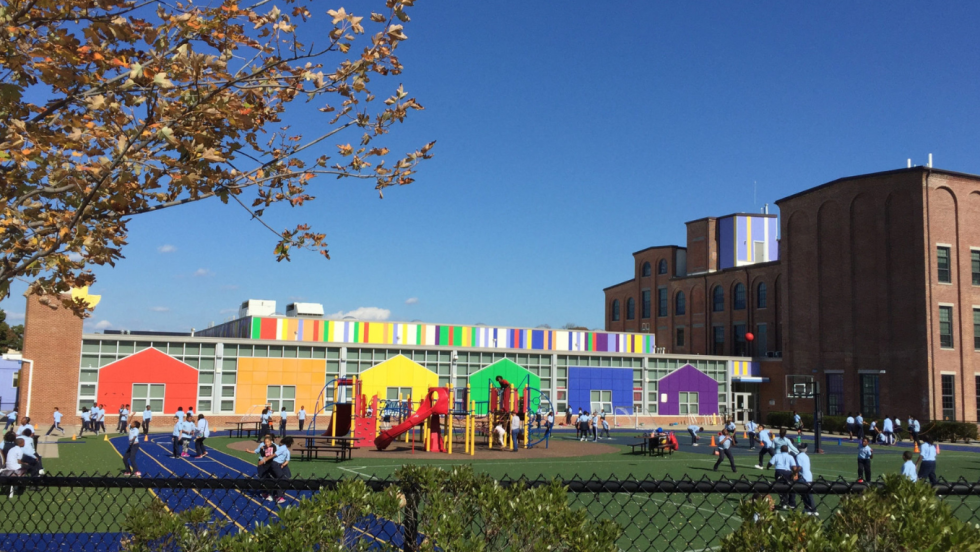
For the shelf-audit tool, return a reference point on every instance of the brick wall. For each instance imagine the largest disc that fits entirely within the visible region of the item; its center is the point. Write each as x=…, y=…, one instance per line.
x=53, y=340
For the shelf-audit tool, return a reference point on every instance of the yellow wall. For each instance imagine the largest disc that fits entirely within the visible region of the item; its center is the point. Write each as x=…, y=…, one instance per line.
x=256, y=374
x=397, y=372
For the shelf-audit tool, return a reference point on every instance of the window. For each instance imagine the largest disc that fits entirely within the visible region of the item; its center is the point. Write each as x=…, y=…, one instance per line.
x=688, y=403
x=976, y=329
x=942, y=256
x=398, y=393
x=719, y=340
x=16, y=379
x=645, y=271
x=680, y=337
x=949, y=397
x=718, y=299
x=739, y=298
x=946, y=327
x=662, y=266
x=630, y=308
x=615, y=310
x=738, y=340
x=761, y=339
x=975, y=266
x=835, y=394
x=662, y=302
x=282, y=396
x=760, y=296
x=151, y=393
x=228, y=385
x=645, y=306
x=680, y=304
x=869, y=395
x=976, y=385
x=601, y=400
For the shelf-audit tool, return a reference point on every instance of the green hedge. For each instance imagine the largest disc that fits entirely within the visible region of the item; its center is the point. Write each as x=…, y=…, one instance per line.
x=940, y=431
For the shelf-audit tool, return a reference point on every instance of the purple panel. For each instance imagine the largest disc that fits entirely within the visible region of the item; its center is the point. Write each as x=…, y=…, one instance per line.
x=773, y=242
x=758, y=234
x=726, y=242
x=741, y=236
x=601, y=342
x=8, y=393
x=688, y=379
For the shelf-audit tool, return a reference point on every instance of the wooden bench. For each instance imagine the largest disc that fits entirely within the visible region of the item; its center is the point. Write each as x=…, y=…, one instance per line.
x=642, y=446
x=662, y=450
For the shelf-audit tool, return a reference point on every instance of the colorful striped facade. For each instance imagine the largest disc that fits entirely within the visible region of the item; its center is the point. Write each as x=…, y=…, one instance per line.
x=394, y=333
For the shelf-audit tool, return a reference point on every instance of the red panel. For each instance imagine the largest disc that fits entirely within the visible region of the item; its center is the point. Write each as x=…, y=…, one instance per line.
x=367, y=329
x=268, y=329
x=148, y=366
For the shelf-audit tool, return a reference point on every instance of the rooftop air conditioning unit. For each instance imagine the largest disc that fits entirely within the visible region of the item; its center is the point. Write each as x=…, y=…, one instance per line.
x=304, y=309
x=257, y=307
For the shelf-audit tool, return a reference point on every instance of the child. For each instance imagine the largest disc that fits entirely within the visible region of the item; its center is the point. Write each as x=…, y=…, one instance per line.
x=123, y=418
x=731, y=427
x=11, y=419
x=766, y=445
x=147, y=417
x=280, y=465
x=187, y=429
x=725, y=450
x=908, y=467
x=693, y=430
x=583, y=424
x=57, y=422
x=865, y=454
x=203, y=432
x=190, y=411
x=785, y=468
x=750, y=428
x=798, y=424
x=605, y=429
x=86, y=421
x=501, y=434
x=283, y=416
x=927, y=459
x=850, y=426
x=594, y=424
x=102, y=419
x=888, y=428
x=267, y=453
x=265, y=427
x=176, y=434
x=301, y=417
x=129, y=459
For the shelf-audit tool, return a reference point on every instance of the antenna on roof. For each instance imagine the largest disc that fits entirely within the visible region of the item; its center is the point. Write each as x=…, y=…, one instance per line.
x=908, y=163
x=930, y=161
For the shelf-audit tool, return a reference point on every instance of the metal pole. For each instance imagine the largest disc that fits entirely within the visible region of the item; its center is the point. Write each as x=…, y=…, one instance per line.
x=817, y=422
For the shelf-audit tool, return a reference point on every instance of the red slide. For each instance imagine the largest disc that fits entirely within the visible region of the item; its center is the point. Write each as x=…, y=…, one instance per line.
x=431, y=405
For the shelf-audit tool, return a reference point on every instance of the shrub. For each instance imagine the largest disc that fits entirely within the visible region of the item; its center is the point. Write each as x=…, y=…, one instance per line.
x=456, y=510
x=831, y=424
x=951, y=431
x=899, y=515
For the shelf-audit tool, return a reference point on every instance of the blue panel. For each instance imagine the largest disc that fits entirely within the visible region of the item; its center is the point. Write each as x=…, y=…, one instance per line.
x=726, y=242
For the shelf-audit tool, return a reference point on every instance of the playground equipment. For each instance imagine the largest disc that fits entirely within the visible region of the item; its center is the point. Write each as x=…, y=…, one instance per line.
x=505, y=402
x=349, y=411
x=438, y=434
x=623, y=417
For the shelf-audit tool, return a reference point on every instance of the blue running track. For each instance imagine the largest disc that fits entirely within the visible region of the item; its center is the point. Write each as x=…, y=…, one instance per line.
x=239, y=510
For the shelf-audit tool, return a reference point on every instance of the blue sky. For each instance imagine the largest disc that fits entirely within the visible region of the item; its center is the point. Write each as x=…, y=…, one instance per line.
x=571, y=134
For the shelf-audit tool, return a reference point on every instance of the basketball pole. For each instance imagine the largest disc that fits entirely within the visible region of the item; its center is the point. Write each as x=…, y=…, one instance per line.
x=817, y=419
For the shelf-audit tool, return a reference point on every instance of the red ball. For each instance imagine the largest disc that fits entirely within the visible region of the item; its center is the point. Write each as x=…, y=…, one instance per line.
x=749, y=336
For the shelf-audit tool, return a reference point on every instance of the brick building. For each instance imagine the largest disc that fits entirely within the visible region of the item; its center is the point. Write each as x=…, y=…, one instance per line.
x=873, y=290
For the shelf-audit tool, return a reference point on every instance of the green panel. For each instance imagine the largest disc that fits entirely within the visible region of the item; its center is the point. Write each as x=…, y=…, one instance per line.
x=512, y=372
x=443, y=337
x=458, y=336
x=256, y=327
x=357, y=332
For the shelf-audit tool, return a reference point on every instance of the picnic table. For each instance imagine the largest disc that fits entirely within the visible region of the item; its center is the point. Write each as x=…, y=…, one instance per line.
x=313, y=445
x=654, y=446
x=243, y=428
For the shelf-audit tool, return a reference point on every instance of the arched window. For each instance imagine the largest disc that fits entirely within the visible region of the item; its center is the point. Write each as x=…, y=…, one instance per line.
x=761, y=296
x=662, y=267
x=630, y=308
x=738, y=301
x=680, y=304
x=646, y=269
x=615, y=310
x=718, y=299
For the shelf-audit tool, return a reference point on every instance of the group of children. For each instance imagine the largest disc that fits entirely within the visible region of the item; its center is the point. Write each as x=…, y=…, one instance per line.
x=274, y=463
x=889, y=433
x=265, y=427
x=590, y=427
x=187, y=430
x=19, y=454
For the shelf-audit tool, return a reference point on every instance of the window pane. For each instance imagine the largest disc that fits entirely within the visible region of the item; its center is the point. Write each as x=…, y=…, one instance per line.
x=662, y=302
x=157, y=391
x=274, y=391
x=204, y=406
x=89, y=376
x=683, y=408
x=289, y=392
x=946, y=327
x=227, y=406
x=140, y=390
x=204, y=391
x=289, y=406
x=228, y=378
x=87, y=390
x=274, y=404
x=227, y=392
x=645, y=313
x=206, y=378
x=975, y=266
x=594, y=396
x=156, y=405
x=942, y=255
x=139, y=405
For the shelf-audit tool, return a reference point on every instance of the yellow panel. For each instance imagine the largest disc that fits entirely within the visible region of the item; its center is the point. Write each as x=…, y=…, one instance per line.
x=289, y=378
x=259, y=394
x=313, y=366
x=397, y=372
x=244, y=377
x=275, y=378
x=304, y=378
x=290, y=365
x=260, y=378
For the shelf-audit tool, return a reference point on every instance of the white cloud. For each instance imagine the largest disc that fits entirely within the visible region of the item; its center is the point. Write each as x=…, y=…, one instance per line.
x=160, y=309
x=74, y=257
x=166, y=248
x=203, y=272
x=103, y=325
x=412, y=301
x=364, y=313
x=15, y=316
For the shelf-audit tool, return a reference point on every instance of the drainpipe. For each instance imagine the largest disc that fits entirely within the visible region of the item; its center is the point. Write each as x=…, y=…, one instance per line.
x=30, y=385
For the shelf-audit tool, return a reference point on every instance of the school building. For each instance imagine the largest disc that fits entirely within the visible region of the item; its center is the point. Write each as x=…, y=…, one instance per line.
x=872, y=291
x=231, y=370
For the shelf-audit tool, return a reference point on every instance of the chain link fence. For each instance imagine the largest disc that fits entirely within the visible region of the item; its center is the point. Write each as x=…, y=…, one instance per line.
x=68, y=512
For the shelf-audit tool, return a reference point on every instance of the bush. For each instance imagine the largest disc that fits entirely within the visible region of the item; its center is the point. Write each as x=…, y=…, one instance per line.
x=831, y=424
x=899, y=515
x=456, y=510
x=951, y=431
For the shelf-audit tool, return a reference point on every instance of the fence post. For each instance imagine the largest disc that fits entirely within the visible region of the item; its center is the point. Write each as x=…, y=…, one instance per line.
x=410, y=521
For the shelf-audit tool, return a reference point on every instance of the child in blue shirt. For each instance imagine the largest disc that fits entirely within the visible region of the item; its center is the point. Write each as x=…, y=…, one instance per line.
x=86, y=421
x=908, y=468
x=280, y=465
x=865, y=454
x=267, y=453
x=176, y=434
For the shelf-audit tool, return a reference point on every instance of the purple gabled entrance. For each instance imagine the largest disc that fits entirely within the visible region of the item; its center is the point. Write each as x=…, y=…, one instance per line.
x=687, y=379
